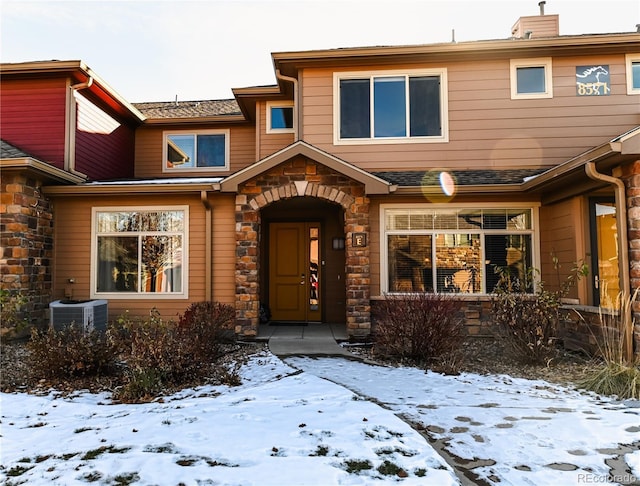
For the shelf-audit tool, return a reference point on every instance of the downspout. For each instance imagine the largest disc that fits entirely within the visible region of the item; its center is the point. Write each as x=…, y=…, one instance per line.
x=623, y=255
x=207, y=245
x=70, y=145
x=296, y=107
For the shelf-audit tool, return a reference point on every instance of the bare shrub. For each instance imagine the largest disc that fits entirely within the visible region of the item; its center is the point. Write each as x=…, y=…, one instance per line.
x=423, y=328
x=71, y=352
x=527, y=322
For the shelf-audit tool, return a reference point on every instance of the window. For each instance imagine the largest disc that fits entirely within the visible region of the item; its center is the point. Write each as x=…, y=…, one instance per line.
x=202, y=150
x=531, y=78
x=139, y=252
x=280, y=118
x=633, y=73
x=387, y=107
x=455, y=250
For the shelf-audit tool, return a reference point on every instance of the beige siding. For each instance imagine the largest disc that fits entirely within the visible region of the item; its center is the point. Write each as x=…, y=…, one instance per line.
x=486, y=127
x=149, y=152
x=562, y=234
x=270, y=142
x=73, y=251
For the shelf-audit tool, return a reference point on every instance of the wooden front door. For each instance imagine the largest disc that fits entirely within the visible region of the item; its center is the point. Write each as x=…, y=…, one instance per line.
x=294, y=271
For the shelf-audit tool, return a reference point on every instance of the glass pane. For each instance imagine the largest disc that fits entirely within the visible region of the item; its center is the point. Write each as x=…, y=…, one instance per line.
x=180, y=150
x=470, y=219
x=494, y=219
x=446, y=219
x=281, y=117
x=162, y=264
x=519, y=219
x=118, y=222
x=211, y=151
x=410, y=266
x=397, y=221
x=424, y=106
x=531, y=80
x=508, y=256
x=608, y=282
x=389, y=107
x=355, y=109
x=314, y=260
x=458, y=266
x=117, y=264
x=635, y=74
x=421, y=220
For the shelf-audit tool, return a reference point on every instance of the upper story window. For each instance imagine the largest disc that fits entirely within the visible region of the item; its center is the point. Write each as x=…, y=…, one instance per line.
x=531, y=78
x=279, y=117
x=196, y=150
x=390, y=106
x=633, y=73
x=139, y=252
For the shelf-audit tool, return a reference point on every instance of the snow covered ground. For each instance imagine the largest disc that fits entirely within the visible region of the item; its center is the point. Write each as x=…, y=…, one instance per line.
x=325, y=421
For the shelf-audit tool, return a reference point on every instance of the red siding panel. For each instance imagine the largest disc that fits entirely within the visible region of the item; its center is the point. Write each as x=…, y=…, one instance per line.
x=32, y=117
x=104, y=146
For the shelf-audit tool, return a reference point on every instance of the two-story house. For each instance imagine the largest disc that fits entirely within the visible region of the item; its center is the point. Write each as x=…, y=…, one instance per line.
x=362, y=172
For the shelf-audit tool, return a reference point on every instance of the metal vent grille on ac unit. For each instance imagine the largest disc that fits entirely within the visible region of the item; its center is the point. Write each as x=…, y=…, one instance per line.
x=92, y=314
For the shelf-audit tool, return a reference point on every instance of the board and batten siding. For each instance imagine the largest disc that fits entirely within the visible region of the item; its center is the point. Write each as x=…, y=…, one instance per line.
x=72, y=252
x=32, y=117
x=486, y=127
x=104, y=146
x=148, y=151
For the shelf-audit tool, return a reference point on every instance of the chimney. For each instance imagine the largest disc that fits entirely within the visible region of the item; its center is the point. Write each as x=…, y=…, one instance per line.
x=537, y=26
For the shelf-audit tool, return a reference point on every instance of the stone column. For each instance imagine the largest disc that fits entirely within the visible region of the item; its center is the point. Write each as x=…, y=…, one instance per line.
x=26, y=245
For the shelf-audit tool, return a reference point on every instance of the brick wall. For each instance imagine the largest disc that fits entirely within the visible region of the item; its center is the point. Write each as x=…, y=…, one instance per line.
x=26, y=243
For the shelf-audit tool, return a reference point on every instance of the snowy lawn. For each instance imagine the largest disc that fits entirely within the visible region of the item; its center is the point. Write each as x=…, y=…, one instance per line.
x=323, y=422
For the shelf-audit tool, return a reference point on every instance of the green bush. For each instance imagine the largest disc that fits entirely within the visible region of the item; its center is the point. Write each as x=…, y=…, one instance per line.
x=71, y=352
x=423, y=328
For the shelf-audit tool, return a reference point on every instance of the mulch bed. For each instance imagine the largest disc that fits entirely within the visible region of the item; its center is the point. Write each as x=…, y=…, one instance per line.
x=480, y=355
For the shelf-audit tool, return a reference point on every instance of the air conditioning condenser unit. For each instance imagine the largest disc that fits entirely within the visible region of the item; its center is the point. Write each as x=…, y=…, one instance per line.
x=92, y=314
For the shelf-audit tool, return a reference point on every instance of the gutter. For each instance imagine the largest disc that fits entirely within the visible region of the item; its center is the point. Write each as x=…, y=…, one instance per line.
x=623, y=257
x=296, y=105
x=208, y=245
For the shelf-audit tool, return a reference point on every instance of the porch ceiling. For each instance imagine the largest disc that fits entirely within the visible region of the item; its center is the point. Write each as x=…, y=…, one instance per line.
x=372, y=183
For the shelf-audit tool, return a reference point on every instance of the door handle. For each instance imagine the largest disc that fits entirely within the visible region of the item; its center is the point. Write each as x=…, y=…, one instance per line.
x=302, y=281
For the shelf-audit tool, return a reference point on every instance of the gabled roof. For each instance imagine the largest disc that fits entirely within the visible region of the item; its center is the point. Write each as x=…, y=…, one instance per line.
x=372, y=183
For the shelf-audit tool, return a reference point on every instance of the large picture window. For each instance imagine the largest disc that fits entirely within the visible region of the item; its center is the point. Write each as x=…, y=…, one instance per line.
x=390, y=106
x=140, y=251
x=456, y=250
x=202, y=150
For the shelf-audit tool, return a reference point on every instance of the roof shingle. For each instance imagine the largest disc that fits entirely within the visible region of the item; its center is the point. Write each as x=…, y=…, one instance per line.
x=188, y=109
x=461, y=177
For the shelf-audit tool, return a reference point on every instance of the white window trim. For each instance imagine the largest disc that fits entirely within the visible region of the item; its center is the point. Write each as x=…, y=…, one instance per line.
x=384, y=256
x=444, y=107
x=167, y=170
x=544, y=62
x=629, y=59
x=279, y=104
x=93, y=294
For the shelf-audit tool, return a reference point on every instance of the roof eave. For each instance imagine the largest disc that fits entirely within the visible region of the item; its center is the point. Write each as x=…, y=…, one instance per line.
x=120, y=189
x=196, y=120
x=46, y=170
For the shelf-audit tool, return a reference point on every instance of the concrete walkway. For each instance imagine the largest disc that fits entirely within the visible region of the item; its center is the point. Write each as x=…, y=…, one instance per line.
x=313, y=339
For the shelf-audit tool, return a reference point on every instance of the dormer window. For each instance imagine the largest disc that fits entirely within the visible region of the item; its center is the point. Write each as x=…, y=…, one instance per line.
x=199, y=150
x=390, y=107
x=279, y=117
x=531, y=78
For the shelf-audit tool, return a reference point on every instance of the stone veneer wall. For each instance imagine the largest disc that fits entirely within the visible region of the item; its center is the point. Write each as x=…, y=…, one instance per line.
x=26, y=244
x=631, y=177
x=301, y=177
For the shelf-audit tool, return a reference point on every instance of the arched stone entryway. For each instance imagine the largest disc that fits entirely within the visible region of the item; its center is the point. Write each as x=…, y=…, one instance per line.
x=301, y=176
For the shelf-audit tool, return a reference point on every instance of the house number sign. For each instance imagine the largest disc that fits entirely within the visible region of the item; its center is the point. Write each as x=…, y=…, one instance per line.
x=359, y=240
x=593, y=80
